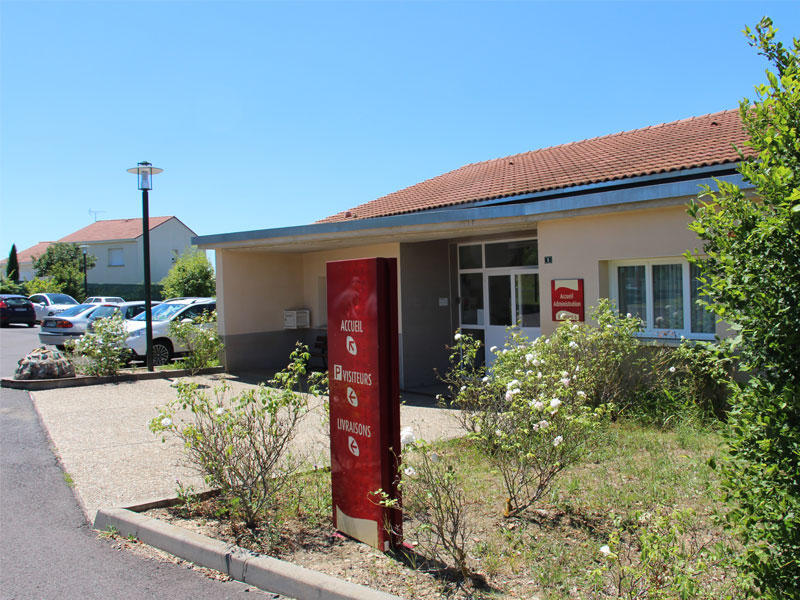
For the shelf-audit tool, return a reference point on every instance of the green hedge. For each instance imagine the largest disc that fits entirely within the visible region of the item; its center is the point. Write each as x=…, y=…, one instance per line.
x=129, y=291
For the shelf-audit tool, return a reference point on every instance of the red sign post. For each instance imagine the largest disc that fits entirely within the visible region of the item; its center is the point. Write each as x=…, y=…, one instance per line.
x=364, y=397
x=567, y=299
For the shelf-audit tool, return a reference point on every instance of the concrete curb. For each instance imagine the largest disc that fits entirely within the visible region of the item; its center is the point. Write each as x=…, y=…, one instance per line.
x=51, y=384
x=264, y=572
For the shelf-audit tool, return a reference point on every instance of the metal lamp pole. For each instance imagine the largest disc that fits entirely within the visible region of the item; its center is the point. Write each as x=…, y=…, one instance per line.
x=145, y=171
x=85, y=275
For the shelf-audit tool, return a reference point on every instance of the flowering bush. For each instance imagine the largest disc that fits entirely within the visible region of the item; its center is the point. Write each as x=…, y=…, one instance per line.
x=434, y=502
x=104, y=346
x=201, y=339
x=664, y=557
x=241, y=444
x=531, y=413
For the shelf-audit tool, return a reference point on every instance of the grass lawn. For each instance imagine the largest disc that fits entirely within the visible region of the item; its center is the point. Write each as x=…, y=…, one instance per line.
x=553, y=551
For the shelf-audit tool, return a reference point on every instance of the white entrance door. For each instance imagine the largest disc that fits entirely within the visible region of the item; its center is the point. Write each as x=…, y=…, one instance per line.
x=512, y=299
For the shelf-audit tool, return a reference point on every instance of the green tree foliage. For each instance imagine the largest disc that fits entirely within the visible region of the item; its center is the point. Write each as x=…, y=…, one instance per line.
x=12, y=266
x=37, y=285
x=62, y=263
x=191, y=275
x=8, y=286
x=752, y=276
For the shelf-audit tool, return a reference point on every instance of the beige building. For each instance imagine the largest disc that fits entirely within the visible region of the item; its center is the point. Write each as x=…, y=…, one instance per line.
x=480, y=248
x=116, y=245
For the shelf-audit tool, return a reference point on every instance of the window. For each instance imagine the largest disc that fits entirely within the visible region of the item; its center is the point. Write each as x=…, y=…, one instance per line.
x=664, y=293
x=115, y=257
x=498, y=284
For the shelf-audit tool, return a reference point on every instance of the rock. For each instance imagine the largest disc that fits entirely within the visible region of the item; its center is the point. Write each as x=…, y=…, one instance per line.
x=44, y=363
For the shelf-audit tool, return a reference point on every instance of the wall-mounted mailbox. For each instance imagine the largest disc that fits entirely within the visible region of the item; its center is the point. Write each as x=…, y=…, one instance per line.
x=297, y=319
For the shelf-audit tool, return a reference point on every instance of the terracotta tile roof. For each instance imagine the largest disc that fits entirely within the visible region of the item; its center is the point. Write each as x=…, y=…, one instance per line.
x=112, y=229
x=695, y=142
x=24, y=256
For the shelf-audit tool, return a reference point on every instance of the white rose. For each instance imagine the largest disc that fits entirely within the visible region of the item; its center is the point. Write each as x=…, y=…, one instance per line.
x=406, y=436
x=555, y=403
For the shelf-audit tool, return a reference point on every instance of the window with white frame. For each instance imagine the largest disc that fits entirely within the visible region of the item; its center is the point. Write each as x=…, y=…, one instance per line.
x=115, y=257
x=665, y=294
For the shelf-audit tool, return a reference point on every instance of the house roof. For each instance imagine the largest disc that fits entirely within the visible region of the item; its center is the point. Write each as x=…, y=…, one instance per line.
x=112, y=229
x=685, y=144
x=99, y=231
x=24, y=256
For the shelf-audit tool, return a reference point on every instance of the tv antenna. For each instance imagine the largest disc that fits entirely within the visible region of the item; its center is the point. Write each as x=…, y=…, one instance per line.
x=94, y=213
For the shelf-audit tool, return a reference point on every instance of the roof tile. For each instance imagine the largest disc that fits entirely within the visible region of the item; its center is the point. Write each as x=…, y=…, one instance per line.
x=694, y=142
x=112, y=229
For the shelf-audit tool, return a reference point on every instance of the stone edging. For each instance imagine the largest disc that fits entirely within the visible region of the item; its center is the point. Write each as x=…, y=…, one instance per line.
x=50, y=384
x=264, y=572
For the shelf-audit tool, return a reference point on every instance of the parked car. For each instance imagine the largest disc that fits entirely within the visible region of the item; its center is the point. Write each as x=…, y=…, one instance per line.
x=67, y=325
x=47, y=305
x=103, y=300
x=16, y=309
x=164, y=346
x=128, y=310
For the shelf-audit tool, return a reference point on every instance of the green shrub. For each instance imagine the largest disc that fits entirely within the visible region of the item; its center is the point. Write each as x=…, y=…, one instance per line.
x=39, y=285
x=531, y=414
x=201, y=339
x=104, y=347
x=9, y=286
x=241, y=444
x=435, y=504
x=664, y=557
x=191, y=275
x=751, y=277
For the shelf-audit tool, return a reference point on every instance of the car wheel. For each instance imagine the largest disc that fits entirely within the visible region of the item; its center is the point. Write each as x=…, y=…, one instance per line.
x=4, y=324
x=161, y=352
x=32, y=324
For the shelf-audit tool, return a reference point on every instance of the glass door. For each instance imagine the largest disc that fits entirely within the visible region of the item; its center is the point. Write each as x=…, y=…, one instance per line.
x=512, y=299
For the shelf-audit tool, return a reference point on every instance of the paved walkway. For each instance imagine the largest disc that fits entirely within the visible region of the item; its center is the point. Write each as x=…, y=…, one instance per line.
x=101, y=436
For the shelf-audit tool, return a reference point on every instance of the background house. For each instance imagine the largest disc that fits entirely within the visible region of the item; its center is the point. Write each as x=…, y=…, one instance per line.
x=117, y=246
x=480, y=247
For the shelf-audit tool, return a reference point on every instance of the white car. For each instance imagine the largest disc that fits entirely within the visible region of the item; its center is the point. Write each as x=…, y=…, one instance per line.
x=47, y=305
x=164, y=346
x=104, y=300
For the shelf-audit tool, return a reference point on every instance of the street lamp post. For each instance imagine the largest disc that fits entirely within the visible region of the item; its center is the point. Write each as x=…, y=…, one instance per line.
x=85, y=248
x=145, y=171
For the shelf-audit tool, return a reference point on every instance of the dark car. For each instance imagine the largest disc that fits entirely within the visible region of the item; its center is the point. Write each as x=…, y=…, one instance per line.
x=16, y=309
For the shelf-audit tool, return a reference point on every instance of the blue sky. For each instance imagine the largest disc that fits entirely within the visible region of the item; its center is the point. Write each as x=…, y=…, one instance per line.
x=267, y=114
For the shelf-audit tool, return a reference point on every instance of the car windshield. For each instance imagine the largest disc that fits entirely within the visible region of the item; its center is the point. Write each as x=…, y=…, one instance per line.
x=62, y=299
x=76, y=310
x=103, y=311
x=162, y=312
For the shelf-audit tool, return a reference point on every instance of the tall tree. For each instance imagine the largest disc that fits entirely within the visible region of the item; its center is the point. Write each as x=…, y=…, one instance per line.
x=12, y=267
x=63, y=263
x=752, y=276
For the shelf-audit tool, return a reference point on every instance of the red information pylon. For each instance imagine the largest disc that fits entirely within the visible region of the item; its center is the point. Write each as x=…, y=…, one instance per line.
x=364, y=398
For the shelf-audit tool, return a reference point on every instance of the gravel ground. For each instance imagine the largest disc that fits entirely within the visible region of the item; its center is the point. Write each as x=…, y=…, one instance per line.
x=111, y=458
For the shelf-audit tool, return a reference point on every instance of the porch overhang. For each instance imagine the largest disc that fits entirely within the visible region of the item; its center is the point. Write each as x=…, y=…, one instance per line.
x=482, y=218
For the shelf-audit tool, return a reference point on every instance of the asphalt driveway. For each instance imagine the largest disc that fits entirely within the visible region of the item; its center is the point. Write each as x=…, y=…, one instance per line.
x=47, y=549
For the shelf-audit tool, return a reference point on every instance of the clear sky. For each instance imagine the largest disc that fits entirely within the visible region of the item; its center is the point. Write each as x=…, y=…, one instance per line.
x=267, y=114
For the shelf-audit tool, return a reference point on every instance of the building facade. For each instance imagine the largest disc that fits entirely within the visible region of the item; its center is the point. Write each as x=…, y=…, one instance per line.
x=481, y=248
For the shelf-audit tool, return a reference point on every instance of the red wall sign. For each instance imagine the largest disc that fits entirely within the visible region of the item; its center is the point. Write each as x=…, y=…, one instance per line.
x=364, y=397
x=567, y=298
